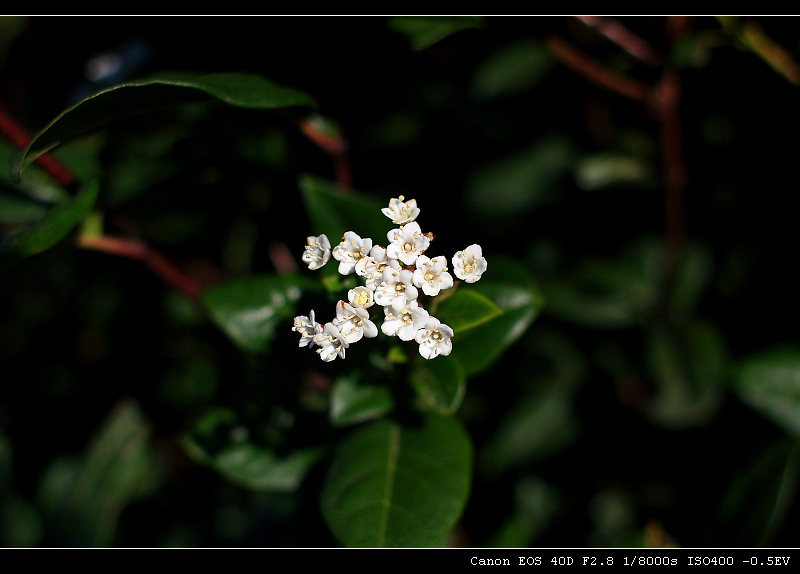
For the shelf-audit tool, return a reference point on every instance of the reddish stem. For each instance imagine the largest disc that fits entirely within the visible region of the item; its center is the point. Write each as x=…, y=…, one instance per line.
x=624, y=38
x=21, y=139
x=596, y=72
x=157, y=262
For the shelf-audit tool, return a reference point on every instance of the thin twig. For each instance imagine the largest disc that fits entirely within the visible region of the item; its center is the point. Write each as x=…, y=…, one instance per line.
x=596, y=72
x=156, y=261
x=615, y=31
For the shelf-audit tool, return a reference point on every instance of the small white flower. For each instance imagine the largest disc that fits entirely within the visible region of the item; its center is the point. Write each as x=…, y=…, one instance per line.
x=371, y=267
x=469, y=264
x=396, y=289
x=434, y=339
x=351, y=249
x=318, y=251
x=404, y=323
x=331, y=343
x=400, y=212
x=431, y=275
x=353, y=323
x=308, y=329
x=407, y=243
x=361, y=297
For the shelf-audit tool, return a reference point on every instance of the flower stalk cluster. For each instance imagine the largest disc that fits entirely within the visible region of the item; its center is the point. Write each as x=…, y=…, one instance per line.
x=394, y=277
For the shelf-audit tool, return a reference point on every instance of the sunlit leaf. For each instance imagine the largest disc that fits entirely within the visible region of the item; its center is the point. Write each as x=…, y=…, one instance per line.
x=440, y=383
x=250, y=310
x=398, y=486
x=159, y=93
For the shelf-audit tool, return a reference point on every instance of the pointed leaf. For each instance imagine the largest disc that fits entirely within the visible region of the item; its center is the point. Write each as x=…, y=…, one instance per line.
x=466, y=309
x=250, y=310
x=159, y=93
x=54, y=226
x=334, y=211
x=86, y=496
x=510, y=288
x=770, y=383
x=397, y=486
x=352, y=403
x=258, y=468
x=440, y=384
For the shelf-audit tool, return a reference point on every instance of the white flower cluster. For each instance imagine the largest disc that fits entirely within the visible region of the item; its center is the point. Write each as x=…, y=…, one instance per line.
x=393, y=278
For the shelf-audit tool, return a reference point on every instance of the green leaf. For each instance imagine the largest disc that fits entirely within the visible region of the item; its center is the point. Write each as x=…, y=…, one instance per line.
x=258, y=468
x=159, y=93
x=758, y=499
x=15, y=210
x=521, y=181
x=512, y=69
x=397, y=486
x=334, y=210
x=466, y=309
x=424, y=31
x=54, y=226
x=86, y=495
x=249, y=311
x=688, y=369
x=508, y=285
x=769, y=382
x=352, y=403
x=440, y=384
x=218, y=441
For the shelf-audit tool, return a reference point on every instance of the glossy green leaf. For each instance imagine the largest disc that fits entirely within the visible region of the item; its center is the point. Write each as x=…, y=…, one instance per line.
x=508, y=285
x=54, y=226
x=250, y=310
x=440, y=383
x=398, y=486
x=158, y=93
x=352, y=403
x=334, y=210
x=466, y=309
x=769, y=382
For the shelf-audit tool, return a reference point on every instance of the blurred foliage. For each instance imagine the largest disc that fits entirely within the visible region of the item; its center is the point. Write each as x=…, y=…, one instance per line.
x=626, y=372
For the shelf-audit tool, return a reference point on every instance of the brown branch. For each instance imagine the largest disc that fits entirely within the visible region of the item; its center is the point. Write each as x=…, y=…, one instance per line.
x=21, y=139
x=666, y=102
x=615, y=31
x=596, y=72
x=156, y=261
